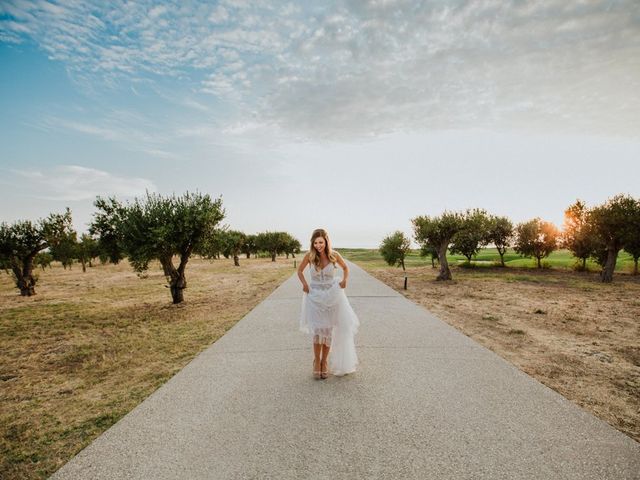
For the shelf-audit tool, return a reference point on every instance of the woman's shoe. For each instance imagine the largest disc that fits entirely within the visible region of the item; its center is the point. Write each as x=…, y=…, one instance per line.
x=316, y=373
x=324, y=373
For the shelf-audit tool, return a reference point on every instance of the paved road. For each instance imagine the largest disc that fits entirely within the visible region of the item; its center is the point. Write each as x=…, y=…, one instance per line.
x=427, y=402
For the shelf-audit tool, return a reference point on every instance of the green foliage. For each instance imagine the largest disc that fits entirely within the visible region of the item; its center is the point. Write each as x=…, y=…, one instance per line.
x=250, y=247
x=394, y=248
x=614, y=222
x=632, y=242
x=158, y=227
x=435, y=231
x=232, y=242
x=577, y=235
x=472, y=235
x=277, y=243
x=105, y=227
x=430, y=251
x=290, y=245
x=213, y=244
x=87, y=249
x=500, y=233
x=614, y=225
x=65, y=251
x=43, y=260
x=23, y=240
x=536, y=238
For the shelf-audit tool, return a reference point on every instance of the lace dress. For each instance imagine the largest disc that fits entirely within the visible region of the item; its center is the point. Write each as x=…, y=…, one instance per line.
x=327, y=316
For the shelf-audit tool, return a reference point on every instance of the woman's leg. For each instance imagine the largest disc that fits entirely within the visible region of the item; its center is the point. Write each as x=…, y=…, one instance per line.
x=325, y=356
x=317, y=350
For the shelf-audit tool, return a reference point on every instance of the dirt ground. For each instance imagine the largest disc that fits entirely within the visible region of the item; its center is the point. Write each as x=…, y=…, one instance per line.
x=89, y=347
x=566, y=329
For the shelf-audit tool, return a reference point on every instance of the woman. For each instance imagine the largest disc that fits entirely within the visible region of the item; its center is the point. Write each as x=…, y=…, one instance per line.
x=326, y=312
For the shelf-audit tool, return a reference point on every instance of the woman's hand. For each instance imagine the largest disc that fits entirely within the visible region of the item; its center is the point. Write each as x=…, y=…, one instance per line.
x=343, y=284
x=305, y=288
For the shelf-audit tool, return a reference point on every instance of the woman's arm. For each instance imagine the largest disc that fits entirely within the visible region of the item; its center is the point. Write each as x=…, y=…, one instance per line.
x=303, y=263
x=345, y=269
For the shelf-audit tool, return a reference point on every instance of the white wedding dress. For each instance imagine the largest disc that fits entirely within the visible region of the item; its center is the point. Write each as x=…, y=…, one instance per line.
x=327, y=316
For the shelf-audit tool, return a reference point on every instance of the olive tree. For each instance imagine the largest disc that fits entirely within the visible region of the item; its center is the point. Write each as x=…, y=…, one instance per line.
x=438, y=231
x=394, y=249
x=43, y=260
x=66, y=249
x=271, y=242
x=577, y=236
x=86, y=250
x=233, y=242
x=104, y=227
x=536, y=238
x=23, y=240
x=500, y=233
x=632, y=239
x=613, y=225
x=214, y=243
x=472, y=235
x=291, y=245
x=159, y=228
x=427, y=250
x=250, y=247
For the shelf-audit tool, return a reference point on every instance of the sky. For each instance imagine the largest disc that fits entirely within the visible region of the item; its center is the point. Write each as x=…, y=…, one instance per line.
x=353, y=116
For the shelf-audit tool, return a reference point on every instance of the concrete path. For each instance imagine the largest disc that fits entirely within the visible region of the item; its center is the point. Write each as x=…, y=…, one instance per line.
x=427, y=402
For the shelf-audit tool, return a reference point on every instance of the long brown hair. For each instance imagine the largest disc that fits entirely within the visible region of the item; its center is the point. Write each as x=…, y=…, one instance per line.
x=314, y=258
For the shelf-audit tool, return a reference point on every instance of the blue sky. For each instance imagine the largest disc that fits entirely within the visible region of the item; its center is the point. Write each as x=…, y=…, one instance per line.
x=354, y=116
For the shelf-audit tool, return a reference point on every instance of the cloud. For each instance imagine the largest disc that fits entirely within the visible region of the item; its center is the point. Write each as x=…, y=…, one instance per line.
x=126, y=128
x=76, y=183
x=355, y=69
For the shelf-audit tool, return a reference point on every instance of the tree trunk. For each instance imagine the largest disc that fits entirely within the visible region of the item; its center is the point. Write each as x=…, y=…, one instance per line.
x=249, y=255
x=539, y=262
x=177, y=290
x=273, y=256
x=584, y=264
x=84, y=266
x=236, y=260
x=607, y=271
x=635, y=265
x=287, y=256
x=445, y=273
x=502, y=252
x=176, y=277
x=25, y=280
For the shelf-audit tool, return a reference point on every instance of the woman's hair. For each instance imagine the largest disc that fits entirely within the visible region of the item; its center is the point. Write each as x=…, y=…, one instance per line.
x=314, y=258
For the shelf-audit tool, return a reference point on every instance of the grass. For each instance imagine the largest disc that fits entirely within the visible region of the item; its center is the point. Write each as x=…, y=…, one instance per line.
x=91, y=346
x=486, y=258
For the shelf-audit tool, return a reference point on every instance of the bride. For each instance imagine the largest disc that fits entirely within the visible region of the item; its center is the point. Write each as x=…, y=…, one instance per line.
x=326, y=313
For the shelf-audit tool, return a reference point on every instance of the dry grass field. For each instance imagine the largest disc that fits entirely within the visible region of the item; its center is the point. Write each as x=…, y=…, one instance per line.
x=576, y=335
x=91, y=346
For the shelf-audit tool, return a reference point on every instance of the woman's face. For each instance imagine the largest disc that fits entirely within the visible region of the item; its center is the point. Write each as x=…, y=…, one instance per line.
x=319, y=244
